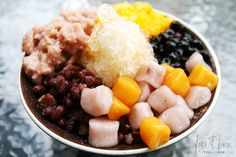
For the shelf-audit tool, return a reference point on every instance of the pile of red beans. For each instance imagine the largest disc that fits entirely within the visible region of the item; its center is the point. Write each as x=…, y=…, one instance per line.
x=59, y=98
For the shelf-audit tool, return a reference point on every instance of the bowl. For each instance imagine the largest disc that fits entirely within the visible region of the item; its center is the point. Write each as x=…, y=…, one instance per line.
x=57, y=133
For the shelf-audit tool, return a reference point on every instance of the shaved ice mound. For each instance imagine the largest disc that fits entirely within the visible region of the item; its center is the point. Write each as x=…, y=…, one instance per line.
x=118, y=44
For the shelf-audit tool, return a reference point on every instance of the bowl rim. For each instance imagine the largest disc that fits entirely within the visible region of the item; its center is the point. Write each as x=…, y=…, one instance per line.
x=139, y=150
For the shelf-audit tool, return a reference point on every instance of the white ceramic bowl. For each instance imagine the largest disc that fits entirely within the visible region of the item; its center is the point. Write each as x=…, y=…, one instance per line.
x=139, y=150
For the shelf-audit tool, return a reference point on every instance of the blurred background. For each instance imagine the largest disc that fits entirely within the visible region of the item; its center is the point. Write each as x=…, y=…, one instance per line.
x=20, y=137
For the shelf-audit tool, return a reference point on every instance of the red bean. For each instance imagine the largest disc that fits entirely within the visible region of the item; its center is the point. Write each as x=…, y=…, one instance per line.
x=69, y=75
x=63, y=87
x=89, y=80
x=70, y=72
x=47, y=99
x=68, y=102
x=57, y=113
x=58, y=80
x=98, y=82
x=39, y=89
x=60, y=84
x=47, y=111
x=81, y=76
x=75, y=92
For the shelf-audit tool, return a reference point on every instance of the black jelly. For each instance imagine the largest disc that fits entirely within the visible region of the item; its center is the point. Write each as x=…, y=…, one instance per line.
x=176, y=45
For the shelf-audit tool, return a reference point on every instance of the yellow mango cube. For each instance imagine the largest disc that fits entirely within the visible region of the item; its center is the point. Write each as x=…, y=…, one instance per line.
x=142, y=18
x=124, y=8
x=156, y=15
x=142, y=6
x=168, y=68
x=201, y=76
x=132, y=17
x=153, y=132
x=154, y=28
x=118, y=109
x=166, y=24
x=127, y=90
x=177, y=81
x=151, y=21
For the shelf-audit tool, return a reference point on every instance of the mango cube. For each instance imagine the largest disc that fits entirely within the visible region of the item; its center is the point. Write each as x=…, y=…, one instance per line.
x=123, y=8
x=143, y=21
x=166, y=24
x=156, y=15
x=153, y=132
x=178, y=82
x=118, y=109
x=142, y=6
x=203, y=77
x=142, y=13
x=154, y=28
x=127, y=90
x=168, y=68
